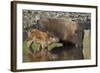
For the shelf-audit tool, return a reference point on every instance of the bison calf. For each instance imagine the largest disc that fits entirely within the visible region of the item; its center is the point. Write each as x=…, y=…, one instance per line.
x=43, y=38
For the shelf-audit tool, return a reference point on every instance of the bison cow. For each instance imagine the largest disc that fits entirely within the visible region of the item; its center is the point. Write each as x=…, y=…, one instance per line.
x=69, y=32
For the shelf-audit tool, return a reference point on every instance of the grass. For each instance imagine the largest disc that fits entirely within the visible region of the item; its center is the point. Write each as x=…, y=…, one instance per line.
x=35, y=46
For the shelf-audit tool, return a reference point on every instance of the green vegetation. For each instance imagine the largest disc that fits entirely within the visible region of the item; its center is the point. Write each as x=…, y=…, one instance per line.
x=25, y=47
x=35, y=46
x=53, y=45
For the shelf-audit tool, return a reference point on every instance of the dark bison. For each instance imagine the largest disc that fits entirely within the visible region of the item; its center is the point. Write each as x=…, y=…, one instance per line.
x=69, y=32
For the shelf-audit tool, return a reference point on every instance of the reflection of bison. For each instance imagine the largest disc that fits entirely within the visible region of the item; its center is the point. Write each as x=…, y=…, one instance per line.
x=68, y=31
x=42, y=55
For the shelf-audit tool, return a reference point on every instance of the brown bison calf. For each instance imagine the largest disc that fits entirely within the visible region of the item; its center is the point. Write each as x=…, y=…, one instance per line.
x=40, y=37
